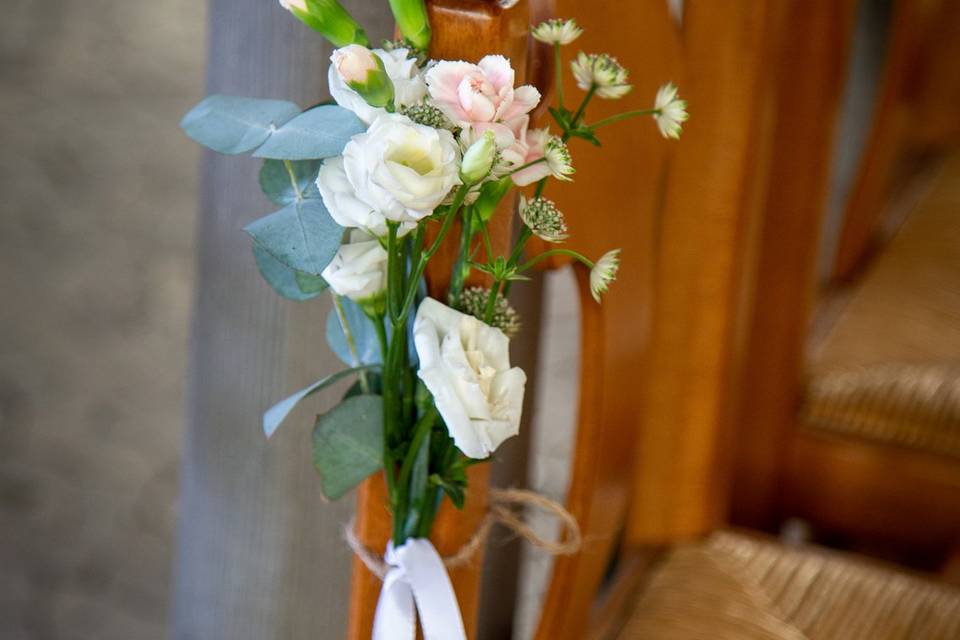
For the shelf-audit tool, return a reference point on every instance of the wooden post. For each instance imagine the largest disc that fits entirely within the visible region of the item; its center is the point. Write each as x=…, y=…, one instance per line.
x=462, y=30
x=259, y=553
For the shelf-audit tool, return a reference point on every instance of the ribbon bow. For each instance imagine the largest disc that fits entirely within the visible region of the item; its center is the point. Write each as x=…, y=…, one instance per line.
x=417, y=584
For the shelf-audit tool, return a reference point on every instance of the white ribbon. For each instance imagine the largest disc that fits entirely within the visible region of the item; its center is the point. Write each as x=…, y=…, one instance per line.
x=417, y=584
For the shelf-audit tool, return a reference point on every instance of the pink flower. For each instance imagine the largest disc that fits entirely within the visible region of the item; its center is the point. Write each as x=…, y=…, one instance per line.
x=479, y=93
x=526, y=147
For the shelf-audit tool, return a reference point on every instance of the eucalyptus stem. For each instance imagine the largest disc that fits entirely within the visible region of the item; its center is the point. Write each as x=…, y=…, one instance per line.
x=293, y=179
x=624, y=116
x=351, y=343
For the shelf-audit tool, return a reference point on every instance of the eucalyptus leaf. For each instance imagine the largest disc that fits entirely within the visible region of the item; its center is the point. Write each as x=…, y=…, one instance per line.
x=302, y=236
x=233, y=124
x=348, y=444
x=293, y=285
x=321, y=132
x=364, y=335
x=275, y=415
x=287, y=181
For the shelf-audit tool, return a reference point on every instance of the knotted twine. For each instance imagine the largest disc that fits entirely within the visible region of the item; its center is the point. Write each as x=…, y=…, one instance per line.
x=416, y=584
x=500, y=511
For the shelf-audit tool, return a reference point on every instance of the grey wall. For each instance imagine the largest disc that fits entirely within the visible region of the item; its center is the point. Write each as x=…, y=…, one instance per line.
x=97, y=213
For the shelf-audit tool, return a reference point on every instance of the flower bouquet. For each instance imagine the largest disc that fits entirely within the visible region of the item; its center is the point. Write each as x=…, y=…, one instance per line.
x=368, y=188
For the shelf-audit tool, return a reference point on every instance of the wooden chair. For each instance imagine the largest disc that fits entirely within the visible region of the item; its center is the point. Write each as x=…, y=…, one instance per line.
x=662, y=359
x=857, y=434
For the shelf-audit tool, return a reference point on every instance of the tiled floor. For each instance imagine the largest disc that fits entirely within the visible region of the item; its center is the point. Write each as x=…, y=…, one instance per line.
x=97, y=211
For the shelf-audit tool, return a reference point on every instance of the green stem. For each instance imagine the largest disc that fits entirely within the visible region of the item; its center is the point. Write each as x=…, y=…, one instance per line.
x=426, y=255
x=580, y=110
x=420, y=431
x=539, y=190
x=460, y=269
x=491, y=302
x=527, y=165
x=558, y=70
x=624, y=116
x=557, y=252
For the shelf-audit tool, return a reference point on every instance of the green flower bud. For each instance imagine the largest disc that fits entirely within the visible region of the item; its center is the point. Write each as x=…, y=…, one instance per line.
x=478, y=160
x=411, y=17
x=329, y=18
x=362, y=70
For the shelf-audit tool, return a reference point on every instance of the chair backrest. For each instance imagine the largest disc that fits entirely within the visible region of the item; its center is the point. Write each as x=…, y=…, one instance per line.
x=918, y=108
x=661, y=357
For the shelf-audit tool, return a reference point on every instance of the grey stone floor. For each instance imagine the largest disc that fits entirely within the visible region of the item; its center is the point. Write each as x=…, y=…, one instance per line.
x=97, y=213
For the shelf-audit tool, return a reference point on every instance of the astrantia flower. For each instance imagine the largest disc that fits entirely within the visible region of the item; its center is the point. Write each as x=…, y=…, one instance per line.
x=603, y=72
x=397, y=170
x=603, y=273
x=359, y=270
x=408, y=85
x=473, y=301
x=558, y=158
x=479, y=93
x=465, y=364
x=543, y=218
x=670, y=111
x=426, y=113
x=556, y=31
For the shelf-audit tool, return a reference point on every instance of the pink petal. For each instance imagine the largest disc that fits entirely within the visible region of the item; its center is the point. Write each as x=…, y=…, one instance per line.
x=525, y=98
x=497, y=70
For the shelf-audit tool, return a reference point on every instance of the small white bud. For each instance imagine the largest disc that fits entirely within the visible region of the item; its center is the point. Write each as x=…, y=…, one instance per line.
x=603, y=73
x=363, y=71
x=604, y=271
x=671, y=112
x=478, y=159
x=558, y=158
x=290, y=5
x=556, y=31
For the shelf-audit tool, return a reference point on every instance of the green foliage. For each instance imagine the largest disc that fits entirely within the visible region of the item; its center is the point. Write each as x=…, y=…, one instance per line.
x=275, y=415
x=491, y=193
x=272, y=128
x=321, y=132
x=333, y=22
x=232, y=124
x=301, y=236
x=366, y=343
x=348, y=444
x=412, y=21
x=291, y=284
x=287, y=181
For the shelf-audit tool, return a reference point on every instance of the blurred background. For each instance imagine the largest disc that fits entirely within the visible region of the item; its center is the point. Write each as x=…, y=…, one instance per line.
x=97, y=223
x=100, y=264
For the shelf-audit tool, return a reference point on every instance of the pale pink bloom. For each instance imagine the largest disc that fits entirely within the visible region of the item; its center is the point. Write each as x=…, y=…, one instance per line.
x=526, y=147
x=479, y=93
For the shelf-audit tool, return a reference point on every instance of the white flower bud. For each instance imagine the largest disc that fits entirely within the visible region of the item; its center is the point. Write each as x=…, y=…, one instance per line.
x=557, y=31
x=670, y=111
x=603, y=273
x=601, y=72
x=359, y=270
x=478, y=159
x=290, y=5
x=363, y=71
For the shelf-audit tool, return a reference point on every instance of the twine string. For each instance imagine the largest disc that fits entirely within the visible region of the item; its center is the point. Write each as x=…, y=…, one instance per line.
x=503, y=503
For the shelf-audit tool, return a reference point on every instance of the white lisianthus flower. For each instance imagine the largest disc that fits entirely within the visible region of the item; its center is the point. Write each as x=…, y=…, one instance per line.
x=397, y=170
x=671, y=112
x=408, y=85
x=466, y=366
x=603, y=73
x=603, y=273
x=359, y=270
x=557, y=31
